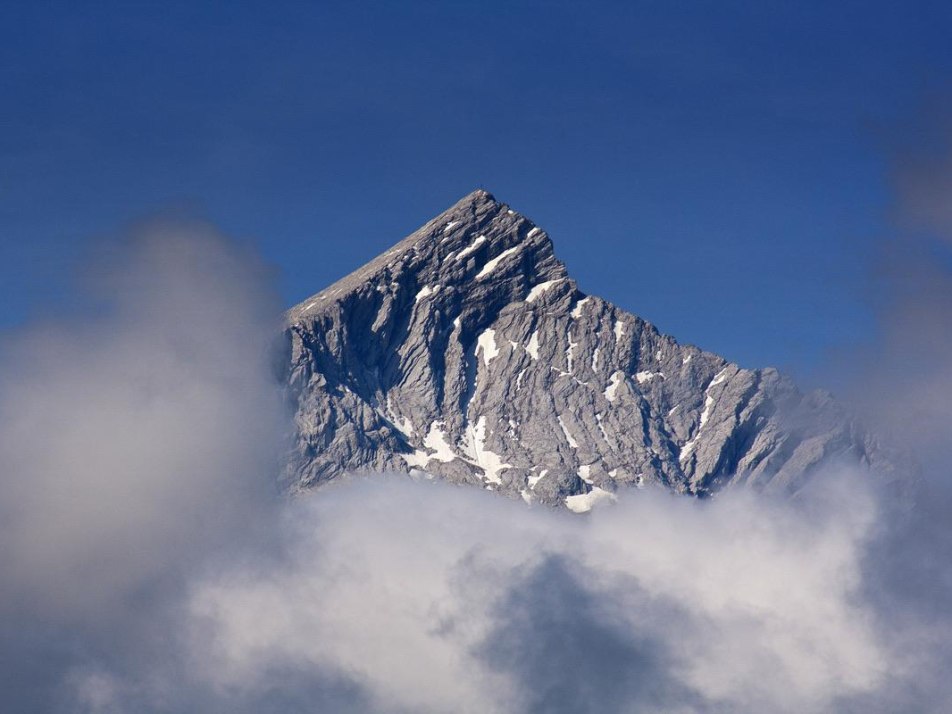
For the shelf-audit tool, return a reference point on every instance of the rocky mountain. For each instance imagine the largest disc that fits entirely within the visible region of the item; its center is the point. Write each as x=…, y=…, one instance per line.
x=466, y=352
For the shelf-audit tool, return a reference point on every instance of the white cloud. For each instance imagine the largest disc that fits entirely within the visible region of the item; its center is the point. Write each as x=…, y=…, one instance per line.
x=739, y=602
x=147, y=566
x=136, y=438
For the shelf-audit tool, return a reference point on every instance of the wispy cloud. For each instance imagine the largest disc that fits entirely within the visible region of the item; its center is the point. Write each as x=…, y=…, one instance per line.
x=135, y=439
x=902, y=378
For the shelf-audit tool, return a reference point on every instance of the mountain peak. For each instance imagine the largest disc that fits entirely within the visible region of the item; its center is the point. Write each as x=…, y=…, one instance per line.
x=466, y=352
x=480, y=195
x=470, y=249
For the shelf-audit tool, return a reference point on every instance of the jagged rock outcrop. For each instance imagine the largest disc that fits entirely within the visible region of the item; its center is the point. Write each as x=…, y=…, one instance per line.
x=466, y=352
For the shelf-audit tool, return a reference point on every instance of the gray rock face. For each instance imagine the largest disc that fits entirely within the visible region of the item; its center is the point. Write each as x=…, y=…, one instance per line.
x=467, y=353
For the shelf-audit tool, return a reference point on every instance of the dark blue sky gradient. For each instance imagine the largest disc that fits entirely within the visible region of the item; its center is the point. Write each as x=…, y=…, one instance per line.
x=719, y=168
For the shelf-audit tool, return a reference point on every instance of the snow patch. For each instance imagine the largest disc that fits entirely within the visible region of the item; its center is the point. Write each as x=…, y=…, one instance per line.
x=705, y=415
x=426, y=291
x=533, y=480
x=584, y=502
x=719, y=377
x=487, y=343
x=519, y=377
x=619, y=330
x=473, y=246
x=449, y=226
x=577, y=310
x=643, y=377
x=491, y=265
x=687, y=449
x=487, y=460
x=436, y=442
x=613, y=384
x=541, y=288
x=533, y=347
x=570, y=352
x=533, y=232
x=598, y=420
x=585, y=473
x=402, y=423
x=417, y=460
x=595, y=359
x=568, y=437
x=405, y=426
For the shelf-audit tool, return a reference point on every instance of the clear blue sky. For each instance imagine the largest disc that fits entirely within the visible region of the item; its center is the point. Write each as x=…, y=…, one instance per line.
x=720, y=168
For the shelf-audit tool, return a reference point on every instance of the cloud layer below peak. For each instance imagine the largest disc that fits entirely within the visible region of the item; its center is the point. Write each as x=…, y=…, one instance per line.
x=150, y=566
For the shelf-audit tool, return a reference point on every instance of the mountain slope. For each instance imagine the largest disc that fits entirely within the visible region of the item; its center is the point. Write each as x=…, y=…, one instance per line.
x=467, y=352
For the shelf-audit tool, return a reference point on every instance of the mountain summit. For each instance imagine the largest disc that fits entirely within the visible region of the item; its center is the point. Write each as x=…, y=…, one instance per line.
x=466, y=352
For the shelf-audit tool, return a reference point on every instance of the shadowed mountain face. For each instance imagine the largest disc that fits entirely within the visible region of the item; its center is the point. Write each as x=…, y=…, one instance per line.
x=466, y=352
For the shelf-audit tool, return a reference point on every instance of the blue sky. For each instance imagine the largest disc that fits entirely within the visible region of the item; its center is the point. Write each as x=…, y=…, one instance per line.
x=721, y=169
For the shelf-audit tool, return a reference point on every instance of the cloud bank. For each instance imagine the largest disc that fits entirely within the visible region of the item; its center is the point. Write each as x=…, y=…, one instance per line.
x=150, y=566
x=435, y=598
x=136, y=437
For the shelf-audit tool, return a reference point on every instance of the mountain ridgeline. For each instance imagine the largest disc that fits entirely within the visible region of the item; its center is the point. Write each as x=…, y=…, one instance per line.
x=467, y=353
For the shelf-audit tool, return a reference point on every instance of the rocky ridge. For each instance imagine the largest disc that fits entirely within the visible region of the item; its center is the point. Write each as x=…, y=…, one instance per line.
x=466, y=352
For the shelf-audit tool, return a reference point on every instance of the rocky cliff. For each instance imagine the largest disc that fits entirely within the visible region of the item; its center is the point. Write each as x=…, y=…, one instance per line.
x=466, y=352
